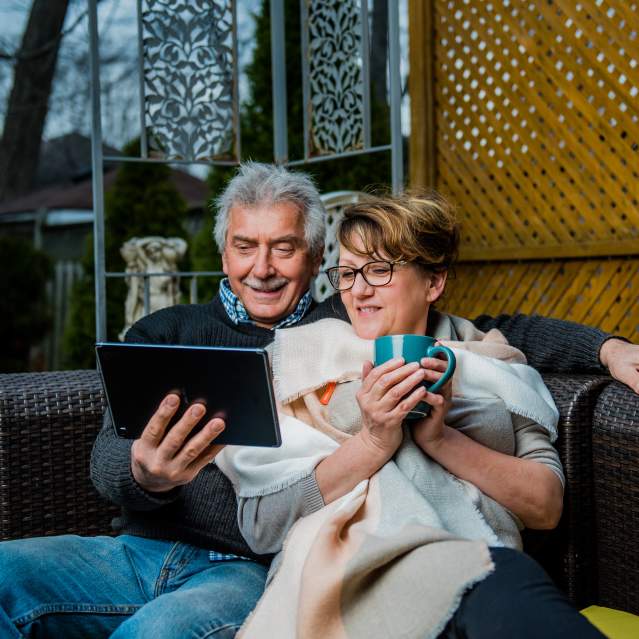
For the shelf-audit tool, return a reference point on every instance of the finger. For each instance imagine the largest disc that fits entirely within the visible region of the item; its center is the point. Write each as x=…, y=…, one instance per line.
x=408, y=403
x=205, y=457
x=391, y=379
x=380, y=370
x=436, y=401
x=434, y=363
x=627, y=374
x=432, y=376
x=174, y=440
x=396, y=393
x=195, y=447
x=154, y=431
x=367, y=367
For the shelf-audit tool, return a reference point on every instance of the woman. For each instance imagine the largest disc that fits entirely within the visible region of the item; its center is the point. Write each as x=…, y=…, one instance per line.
x=395, y=528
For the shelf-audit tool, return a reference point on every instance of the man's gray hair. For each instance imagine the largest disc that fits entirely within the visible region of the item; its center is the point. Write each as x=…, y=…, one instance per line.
x=258, y=184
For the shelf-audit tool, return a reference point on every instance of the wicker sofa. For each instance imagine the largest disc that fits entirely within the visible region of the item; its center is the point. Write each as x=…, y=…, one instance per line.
x=48, y=422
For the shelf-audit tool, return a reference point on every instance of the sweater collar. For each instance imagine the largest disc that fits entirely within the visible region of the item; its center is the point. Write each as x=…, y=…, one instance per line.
x=238, y=314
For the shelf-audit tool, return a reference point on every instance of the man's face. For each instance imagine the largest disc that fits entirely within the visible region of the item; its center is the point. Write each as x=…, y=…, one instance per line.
x=267, y=260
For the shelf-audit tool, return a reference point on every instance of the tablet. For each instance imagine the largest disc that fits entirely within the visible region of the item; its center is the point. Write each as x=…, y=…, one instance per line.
x=233, y=383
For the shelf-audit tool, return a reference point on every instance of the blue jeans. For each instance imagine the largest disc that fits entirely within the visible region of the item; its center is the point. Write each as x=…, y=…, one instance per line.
x=122, y=587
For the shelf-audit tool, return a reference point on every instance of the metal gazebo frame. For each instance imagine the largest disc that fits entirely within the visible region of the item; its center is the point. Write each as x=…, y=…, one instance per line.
x=359, y=16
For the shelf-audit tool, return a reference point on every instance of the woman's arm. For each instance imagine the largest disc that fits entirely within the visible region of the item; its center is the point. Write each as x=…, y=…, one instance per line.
x=388, y=393
x=528, y=488
x=264, y=521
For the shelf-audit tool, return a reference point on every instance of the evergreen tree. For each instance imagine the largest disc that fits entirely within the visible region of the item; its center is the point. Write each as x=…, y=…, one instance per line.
x=365, y=172
x=143, y=201
x=25, y=320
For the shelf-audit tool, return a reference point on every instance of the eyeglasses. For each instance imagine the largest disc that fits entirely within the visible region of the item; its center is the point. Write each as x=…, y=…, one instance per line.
x=376, y=273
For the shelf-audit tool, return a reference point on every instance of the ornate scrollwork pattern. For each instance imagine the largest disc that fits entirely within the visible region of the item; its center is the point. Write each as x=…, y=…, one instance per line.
x=190, y=103
x=336, y=83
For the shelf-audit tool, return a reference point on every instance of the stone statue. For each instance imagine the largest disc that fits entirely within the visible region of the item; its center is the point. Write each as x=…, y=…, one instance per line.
x=152, y=254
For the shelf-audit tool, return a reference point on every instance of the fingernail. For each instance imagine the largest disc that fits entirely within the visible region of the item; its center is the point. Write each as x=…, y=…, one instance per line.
x=172, y=401
x=197, y=411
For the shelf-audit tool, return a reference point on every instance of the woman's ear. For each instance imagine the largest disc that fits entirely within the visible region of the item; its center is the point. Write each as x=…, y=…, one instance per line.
x=437, y=285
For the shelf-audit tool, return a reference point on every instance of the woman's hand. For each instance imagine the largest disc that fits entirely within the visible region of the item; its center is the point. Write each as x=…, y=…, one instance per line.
x=387, y=395
x=429, y=431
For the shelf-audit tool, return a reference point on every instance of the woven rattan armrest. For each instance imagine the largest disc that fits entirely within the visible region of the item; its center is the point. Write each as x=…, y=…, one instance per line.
x=615, y=442
x=568, y=553
x=48, y=422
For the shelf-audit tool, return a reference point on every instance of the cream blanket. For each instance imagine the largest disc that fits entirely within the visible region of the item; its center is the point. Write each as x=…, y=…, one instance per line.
x=393, y=557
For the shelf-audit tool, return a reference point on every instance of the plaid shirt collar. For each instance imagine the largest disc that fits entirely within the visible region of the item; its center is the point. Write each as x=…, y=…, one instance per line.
x=238, y=315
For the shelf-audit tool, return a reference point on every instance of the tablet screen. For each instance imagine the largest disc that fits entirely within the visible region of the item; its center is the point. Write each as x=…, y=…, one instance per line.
x=233, y=383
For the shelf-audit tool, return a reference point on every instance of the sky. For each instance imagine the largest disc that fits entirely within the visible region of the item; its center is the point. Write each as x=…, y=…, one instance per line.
x=70, y=107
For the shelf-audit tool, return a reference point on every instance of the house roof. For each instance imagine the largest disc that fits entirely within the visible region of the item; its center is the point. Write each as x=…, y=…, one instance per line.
x=66, y=159
x=79, y=196
x=63, y=179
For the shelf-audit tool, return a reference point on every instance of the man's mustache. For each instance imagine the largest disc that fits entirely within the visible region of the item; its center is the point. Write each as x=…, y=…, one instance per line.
x=270, y=284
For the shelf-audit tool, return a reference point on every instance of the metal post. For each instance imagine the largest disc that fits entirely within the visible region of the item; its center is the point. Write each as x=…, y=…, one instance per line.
x=147, y=295
x=144, y=146
x=236, y=88
x=306, y=81
x=39, y=222
x=98, y=186
x=366, y=76
x=395, y=96
x=278, y=78
x=193, y=290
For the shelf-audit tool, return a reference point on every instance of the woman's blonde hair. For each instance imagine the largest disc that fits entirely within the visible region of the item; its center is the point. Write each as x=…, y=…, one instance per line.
x=421, y=228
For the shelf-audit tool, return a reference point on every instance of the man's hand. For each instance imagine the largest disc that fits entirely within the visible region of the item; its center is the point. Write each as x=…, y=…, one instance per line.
x=161, y=461
x=622, y=360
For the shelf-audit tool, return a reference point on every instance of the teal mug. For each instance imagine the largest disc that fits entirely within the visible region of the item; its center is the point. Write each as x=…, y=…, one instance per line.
x=412, y=348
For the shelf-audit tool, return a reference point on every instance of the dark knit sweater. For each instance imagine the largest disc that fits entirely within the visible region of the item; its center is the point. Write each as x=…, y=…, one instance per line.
x=204, y=512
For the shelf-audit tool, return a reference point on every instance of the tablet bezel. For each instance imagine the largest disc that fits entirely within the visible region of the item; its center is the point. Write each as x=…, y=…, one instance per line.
x=242, y=432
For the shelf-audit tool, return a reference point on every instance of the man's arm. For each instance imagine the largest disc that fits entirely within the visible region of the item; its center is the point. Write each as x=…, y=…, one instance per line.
x=622, y=360
x=112, y=476
x=111, y=455
x=566, y=347
x=147, y=473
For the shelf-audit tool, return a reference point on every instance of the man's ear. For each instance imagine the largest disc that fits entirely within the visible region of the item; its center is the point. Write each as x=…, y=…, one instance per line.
x=317, y=260
x=437, y=285
x=224, y=262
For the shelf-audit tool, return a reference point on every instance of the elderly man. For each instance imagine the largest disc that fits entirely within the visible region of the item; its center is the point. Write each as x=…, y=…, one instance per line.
x=179, y=566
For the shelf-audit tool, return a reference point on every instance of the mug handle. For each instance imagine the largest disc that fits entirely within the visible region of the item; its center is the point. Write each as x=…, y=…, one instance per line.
x=450, y=369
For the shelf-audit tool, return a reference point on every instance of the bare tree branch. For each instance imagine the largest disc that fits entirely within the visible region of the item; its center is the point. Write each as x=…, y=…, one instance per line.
x=22, y=133
x=46, y=48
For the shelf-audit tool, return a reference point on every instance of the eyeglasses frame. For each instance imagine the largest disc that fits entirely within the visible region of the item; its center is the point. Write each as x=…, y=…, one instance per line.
x=360, y=271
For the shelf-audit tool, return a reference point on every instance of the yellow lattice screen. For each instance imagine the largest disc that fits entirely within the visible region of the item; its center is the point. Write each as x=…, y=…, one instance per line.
x=537, y=125
x=527, y=115
x=602, y=293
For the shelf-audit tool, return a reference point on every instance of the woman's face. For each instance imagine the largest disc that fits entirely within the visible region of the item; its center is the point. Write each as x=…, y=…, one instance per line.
x=399, y=307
